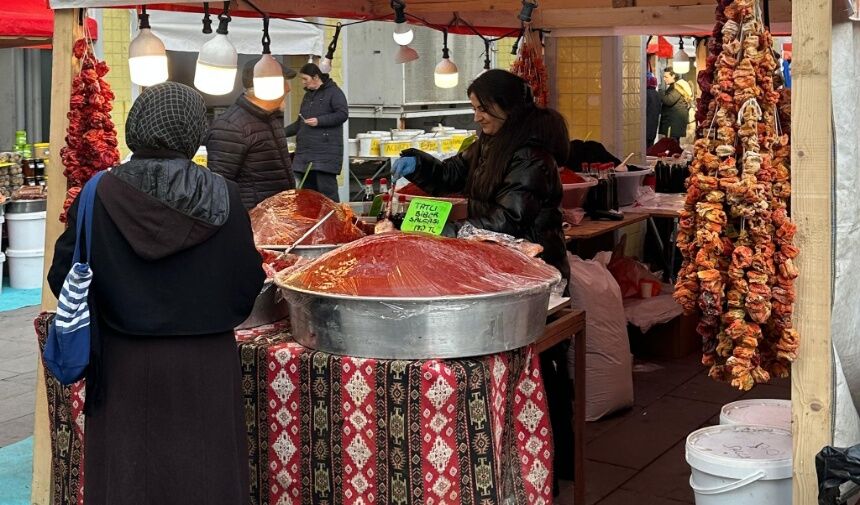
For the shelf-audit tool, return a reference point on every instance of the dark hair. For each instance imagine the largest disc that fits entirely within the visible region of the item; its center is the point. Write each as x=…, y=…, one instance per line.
x=668, y=70
x=525, y=123
x=313, y=70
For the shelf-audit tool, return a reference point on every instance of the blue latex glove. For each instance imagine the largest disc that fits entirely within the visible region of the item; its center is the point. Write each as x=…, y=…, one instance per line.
x=402, y=167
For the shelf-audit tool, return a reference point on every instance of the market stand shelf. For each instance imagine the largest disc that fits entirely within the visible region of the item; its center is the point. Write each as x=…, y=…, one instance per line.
x=590, y=228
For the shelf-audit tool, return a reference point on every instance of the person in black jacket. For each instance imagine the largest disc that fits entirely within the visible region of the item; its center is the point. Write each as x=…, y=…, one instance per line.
x=319, y=132
x=675, y=111
x=510, y=176
x=652, y=110
x=175, y=270
x=247, y=143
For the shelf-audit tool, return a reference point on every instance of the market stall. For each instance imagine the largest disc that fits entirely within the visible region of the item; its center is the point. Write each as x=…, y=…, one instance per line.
x=810, y=150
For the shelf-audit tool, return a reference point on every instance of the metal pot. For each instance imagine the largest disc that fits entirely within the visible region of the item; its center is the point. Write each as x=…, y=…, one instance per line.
x=26, y=206
x=417, y=328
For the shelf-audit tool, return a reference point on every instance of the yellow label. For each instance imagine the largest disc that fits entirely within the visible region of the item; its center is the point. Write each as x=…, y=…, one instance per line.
x=393, y=148
x=200, y=159
x=447, y=145
x=374, y=147
x=428, y=145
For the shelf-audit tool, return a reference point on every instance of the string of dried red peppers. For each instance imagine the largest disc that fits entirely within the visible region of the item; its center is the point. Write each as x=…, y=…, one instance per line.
x=735, y=235
x=91, y=141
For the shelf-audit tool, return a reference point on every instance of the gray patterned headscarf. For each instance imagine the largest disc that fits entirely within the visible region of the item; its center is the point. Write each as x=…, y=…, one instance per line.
x=167, y=116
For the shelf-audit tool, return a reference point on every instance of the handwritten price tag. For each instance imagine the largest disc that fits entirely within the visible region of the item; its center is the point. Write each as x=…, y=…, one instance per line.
x=426, y=215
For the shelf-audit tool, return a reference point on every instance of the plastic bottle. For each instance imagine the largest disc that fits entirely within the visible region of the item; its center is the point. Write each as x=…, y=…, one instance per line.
x=368, y=190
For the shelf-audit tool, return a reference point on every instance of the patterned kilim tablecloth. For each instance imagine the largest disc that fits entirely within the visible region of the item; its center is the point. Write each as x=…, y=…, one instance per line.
x=328, y=429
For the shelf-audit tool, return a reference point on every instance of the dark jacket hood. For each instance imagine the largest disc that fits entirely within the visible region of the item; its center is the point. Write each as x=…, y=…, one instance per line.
x=257, y=111
x=164, y=205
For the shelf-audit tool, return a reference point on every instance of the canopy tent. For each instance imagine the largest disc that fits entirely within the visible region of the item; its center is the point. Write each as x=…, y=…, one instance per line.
x=29, y=23
x=181, y=31
x=661, y=47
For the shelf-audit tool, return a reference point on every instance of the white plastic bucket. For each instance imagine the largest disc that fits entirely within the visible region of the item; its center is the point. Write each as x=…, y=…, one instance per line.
x=628, y=186
x=740, y=465
x=2, y=220
x=2, y=260
x=25, y=268
x=26, y=231
x=353, y=147
x=368, y=144
x=776, y=413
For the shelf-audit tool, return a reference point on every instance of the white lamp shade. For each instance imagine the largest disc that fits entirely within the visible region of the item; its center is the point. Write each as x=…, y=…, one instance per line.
x=216, y=66
x=147, y=60
x=446, y=74
x=325, y=65
x=405, y=54
x=268, y=79
x=680, y=62
x=403, y=34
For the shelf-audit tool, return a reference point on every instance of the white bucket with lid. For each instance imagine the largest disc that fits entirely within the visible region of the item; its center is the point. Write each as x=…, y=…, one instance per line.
x=353, y=147
x=740, y=465
x=25, y=268
x=776, y=413
x=368, y=144
x=26, y=230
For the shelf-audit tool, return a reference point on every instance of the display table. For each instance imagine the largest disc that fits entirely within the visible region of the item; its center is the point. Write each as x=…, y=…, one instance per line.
x=590, y=228
x=335, y=429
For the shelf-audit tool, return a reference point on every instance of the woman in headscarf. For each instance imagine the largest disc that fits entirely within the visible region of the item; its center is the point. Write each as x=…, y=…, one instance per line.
x=175, y=270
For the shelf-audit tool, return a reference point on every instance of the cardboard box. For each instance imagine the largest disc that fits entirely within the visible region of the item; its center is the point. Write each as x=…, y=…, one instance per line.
x=674, y=339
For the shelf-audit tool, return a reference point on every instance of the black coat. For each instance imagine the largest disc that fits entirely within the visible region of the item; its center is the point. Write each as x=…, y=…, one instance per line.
x=248, y=145
x=675, y=113
x=321, y=145
x=175, y=269
x=652, y=115
x=527, y=203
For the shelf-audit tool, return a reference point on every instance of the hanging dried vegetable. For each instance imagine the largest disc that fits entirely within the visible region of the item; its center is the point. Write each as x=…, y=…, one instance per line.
x=530, y=66
x=91, y=141
x=735, y=235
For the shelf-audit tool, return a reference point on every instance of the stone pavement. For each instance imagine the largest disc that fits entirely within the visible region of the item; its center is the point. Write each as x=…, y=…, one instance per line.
x=18, y=360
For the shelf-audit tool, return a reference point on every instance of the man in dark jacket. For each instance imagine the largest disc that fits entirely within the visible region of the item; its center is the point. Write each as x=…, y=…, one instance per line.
x=652, y=110
x=319, y=132
x=675, y=113
x=247, y=144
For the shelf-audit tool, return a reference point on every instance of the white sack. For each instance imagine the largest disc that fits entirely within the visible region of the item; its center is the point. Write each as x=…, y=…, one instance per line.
x=608, y=362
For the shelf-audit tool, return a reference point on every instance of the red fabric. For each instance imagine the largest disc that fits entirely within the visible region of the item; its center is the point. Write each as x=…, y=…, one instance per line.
x=662, y=48
x=32, y=19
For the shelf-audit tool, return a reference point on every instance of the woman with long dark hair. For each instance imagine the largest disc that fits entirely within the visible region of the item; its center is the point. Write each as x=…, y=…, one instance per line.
x=319, y=132
x=510, y=174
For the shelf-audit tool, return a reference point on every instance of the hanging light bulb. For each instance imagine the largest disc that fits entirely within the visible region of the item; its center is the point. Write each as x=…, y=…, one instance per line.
x=268, y=73
x=405, y=54
x=403, y=33
x=680, y=60
x=147, y=59
x=217, y=62
x=446, y=74
x=325, y=64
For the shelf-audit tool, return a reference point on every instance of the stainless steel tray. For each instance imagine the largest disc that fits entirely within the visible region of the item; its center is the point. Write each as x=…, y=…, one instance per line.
x=26, y=206
x=418, y=328
x=268, y=308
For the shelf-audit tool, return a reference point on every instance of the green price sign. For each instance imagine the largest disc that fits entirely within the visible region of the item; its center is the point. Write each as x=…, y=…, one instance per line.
x=426, y=215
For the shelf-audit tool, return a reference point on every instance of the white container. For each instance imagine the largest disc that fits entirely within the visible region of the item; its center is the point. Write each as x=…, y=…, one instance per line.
x=392, y=148
x=2, y=220
x=25, y=268
x=381, y=134
x=427, y=144
x=368, y=144
x=353, y=147
x=628, y=186
x=26, y=231
x=2, y=260
x=776, y=413
x=740, y=465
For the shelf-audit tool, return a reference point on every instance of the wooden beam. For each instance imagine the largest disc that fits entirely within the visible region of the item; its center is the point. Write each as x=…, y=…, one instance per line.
x=66, y=31
x=614, y=20
x=812, y=181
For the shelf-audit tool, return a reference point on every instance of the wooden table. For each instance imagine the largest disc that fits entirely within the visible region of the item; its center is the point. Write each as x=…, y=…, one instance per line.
x=564, y=325
x=590, y=228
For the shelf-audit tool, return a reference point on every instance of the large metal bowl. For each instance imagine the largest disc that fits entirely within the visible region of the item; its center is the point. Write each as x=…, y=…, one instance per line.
x=417, y=328
x=269, y=307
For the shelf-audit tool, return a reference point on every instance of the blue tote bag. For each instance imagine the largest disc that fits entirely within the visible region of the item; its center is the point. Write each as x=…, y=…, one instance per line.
x=67, y=349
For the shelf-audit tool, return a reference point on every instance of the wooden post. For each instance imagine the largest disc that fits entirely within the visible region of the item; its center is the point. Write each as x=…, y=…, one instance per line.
x=66, y=31
x=812, y=183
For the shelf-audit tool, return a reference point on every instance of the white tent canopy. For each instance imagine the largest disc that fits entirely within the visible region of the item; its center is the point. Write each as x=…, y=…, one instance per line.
x=182, y=31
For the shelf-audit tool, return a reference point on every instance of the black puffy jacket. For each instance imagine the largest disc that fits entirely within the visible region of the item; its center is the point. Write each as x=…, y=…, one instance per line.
x=675, y=113
x=248, y=145
x=321, y=145
x=527, y=203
